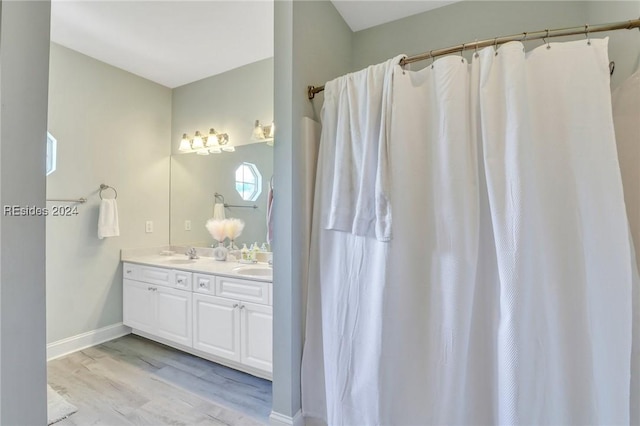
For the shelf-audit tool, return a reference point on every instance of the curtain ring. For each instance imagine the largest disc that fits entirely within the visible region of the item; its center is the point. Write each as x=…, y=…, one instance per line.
x=523, y=39
x=476, y=55
x=545, y=39
x=431, y=54
x=586, y=34
x=462, y=50
x=495, y=45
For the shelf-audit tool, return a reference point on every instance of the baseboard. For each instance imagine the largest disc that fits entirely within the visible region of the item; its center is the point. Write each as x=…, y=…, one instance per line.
x=85, y=340
x=277, y=419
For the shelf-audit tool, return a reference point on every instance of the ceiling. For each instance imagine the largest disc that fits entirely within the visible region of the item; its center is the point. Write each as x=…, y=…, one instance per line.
x=363, y=14
x=177, y=42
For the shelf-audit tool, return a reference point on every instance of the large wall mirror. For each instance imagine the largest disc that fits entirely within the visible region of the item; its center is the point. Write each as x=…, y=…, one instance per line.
x=195, y=179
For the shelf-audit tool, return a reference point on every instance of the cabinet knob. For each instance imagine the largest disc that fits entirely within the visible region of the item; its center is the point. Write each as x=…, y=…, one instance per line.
x=235, y=306
x=241, y=306
x=128, y=271
x=180, y=280
x=149, y=288
x=202, y=284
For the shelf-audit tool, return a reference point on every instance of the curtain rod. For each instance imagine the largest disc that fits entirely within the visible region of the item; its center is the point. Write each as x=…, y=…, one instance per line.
x=534, y=35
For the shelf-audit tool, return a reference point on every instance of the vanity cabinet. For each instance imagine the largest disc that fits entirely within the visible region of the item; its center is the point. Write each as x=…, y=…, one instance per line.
x=234, y=320
x=224, y=319
x=158, y=301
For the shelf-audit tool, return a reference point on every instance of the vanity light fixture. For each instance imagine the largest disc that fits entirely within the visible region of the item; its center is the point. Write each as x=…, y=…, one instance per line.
x=263, y=133
x=213, y=143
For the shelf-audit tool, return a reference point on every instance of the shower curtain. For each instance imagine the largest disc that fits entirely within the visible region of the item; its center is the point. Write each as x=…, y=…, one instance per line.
x=501, y=292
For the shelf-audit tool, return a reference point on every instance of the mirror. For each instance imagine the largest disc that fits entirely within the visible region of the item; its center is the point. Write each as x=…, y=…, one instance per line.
x=195, y=179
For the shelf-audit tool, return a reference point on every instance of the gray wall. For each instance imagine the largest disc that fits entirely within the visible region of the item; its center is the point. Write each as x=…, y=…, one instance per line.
x=312, y=45
x=112, y=127
x=24, y=57
x=624, y=46
x=460, y=23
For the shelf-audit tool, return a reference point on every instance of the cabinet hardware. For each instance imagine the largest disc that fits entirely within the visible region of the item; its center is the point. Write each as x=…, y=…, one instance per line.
x=180, y=280
x=128, y=271
x=235, y=306
x=202, y=285
x=241, y=306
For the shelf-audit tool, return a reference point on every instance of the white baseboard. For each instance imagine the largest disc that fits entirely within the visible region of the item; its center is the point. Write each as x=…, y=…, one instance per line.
x=85, y=340
x=277, y=419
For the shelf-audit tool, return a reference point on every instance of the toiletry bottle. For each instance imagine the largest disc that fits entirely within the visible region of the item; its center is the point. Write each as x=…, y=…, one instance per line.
x=244, y=252
x=255, y=251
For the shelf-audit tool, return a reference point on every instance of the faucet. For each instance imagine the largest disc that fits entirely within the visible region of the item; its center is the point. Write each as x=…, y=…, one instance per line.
x=192, y=253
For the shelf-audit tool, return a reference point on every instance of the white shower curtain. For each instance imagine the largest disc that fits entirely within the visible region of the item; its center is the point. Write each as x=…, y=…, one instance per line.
x=504, y=295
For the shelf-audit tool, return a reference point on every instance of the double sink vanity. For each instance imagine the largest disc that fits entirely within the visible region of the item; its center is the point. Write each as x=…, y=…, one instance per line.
x=220, y=311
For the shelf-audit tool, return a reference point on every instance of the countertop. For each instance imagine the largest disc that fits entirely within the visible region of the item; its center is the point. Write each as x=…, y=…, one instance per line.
x=204, y=265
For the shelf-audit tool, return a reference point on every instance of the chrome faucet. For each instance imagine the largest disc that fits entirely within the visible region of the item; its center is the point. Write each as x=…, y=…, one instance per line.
x=192, y=253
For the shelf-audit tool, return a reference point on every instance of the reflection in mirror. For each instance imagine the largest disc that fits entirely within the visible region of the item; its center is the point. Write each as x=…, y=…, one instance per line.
x=196, y=178
x=248, y=181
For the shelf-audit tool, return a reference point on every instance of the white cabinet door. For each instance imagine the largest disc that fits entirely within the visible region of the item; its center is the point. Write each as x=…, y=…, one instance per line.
x=216, y=326
x=257, y=337
x=138, y=305
x=173, y=314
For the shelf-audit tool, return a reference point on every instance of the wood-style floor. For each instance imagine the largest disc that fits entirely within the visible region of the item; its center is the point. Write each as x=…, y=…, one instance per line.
x=134, y=381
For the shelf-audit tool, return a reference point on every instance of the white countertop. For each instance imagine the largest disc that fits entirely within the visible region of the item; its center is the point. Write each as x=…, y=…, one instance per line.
x=203, y=265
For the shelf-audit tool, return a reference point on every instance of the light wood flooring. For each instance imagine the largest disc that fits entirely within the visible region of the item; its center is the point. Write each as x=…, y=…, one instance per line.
x=134, y=381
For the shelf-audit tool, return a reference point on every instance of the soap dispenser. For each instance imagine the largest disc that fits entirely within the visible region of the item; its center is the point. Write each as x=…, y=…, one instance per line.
x=244, y=252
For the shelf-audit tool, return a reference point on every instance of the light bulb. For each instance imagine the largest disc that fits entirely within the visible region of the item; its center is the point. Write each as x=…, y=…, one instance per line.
x=197, y=141
x=185, y=145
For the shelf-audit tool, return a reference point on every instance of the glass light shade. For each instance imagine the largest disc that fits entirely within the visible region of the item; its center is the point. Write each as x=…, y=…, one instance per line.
x=215, y=150
x=185, y=145
x=212, y=140
x=258, y=131
x=197, y=141
x=229, y=149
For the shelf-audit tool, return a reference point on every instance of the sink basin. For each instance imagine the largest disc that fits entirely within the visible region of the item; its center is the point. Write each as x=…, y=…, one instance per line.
x=254, y=271
x=179, y=261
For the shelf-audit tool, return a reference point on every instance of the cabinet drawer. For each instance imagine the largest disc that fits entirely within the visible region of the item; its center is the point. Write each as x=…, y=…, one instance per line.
x=205, y=284
x=249, y=291
x=130, y=271
x=164, y=277
x=151, y=275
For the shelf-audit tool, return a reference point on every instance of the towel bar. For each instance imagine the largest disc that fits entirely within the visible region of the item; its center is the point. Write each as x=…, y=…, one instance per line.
x=68, y=200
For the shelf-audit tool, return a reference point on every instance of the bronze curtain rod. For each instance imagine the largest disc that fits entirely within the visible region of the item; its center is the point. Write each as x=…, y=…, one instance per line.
x=535, y=35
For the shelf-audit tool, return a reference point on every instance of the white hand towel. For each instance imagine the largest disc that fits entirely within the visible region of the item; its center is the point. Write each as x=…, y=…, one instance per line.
x=354, y=142
x=218, y=211
x=108, y=219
